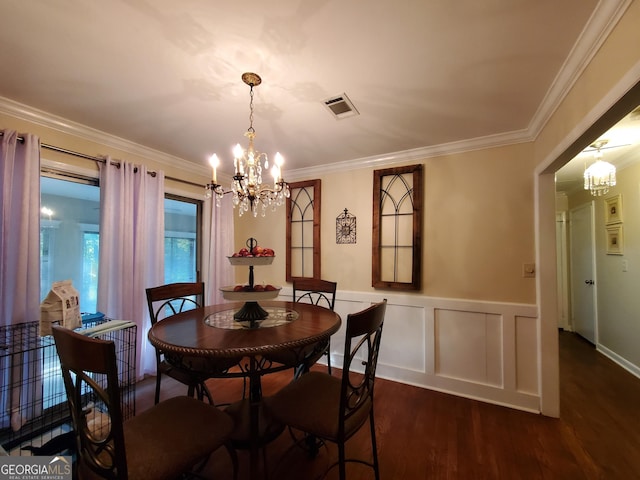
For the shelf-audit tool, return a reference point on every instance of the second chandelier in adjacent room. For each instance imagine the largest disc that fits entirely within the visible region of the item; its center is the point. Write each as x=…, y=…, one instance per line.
x=601, y=175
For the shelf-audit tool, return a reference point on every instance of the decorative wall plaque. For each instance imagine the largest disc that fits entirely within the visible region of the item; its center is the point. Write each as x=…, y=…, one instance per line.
x=345, y=228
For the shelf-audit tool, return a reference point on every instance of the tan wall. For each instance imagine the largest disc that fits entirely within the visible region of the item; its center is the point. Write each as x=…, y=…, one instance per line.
x=269, y=232
x=478, y=227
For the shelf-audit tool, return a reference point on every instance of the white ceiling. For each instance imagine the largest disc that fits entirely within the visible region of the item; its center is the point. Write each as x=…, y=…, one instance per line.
x=426, y=75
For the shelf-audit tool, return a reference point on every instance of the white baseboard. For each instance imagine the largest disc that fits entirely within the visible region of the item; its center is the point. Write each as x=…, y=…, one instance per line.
x=627, y=365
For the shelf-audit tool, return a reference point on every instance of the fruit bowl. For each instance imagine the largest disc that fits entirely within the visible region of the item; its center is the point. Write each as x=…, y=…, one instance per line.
x=250, y=261
x=229, y=294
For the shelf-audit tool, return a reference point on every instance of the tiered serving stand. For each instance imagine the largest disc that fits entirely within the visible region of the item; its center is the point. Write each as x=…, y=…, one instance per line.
x=251, y=311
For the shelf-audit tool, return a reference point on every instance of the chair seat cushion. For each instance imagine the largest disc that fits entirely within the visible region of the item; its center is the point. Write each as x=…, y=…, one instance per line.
x=312, y=403
x=171, y=437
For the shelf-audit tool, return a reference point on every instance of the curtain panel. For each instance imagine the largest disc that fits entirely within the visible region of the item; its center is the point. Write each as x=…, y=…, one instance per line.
x=20, y=268
x=218, y=244
x=131, y=254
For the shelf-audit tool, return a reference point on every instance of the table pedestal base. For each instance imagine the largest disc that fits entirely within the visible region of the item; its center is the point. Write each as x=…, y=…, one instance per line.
x=251, y=311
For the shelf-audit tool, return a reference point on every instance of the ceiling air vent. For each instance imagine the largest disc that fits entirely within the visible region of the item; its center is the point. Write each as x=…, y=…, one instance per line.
x=341, y=107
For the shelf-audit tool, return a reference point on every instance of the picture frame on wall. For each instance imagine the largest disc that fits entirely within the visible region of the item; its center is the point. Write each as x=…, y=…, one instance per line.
x=615, y=240
x=613, y=210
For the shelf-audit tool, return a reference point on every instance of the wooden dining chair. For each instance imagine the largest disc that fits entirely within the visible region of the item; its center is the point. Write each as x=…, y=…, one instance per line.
x=170, y=299
x=332, y=408
x=317, y=292
x=163, y=442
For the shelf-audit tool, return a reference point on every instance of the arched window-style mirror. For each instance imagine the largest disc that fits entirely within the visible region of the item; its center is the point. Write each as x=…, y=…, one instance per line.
x=397, y=228
x=303, y=230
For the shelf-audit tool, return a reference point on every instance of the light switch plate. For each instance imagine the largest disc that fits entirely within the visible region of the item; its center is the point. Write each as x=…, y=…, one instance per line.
x=528, y=270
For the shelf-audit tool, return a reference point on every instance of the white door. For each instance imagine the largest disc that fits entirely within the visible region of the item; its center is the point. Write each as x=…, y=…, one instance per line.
x=583, y=285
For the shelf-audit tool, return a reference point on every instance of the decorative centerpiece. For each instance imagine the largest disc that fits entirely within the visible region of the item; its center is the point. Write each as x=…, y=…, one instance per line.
x=250, y=256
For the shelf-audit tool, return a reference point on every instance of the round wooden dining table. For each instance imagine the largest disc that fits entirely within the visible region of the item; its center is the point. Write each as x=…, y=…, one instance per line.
x=211, y=342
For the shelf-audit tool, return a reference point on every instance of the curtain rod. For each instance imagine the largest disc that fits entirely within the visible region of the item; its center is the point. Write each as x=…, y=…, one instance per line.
x=101, y=160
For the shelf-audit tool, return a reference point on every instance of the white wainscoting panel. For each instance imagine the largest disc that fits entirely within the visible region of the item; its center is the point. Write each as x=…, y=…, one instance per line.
x=403, y=338
x=482, y=350
x=468, y=346
x=526, y=355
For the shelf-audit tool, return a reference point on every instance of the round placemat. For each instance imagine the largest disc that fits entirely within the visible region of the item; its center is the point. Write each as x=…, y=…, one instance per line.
x=277, y=316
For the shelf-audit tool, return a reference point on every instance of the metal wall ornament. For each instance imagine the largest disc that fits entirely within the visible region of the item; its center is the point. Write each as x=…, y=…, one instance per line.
x=345, y=228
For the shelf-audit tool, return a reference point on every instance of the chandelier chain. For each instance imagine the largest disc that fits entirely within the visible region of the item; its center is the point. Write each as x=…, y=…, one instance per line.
x=251, y=129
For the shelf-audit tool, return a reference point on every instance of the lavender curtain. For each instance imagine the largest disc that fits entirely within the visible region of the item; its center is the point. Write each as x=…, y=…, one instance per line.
x=218, y=244
x=131, y=248
x=20, y=263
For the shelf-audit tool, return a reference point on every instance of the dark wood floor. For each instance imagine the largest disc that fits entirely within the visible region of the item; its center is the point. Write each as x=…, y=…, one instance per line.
x=429, y=435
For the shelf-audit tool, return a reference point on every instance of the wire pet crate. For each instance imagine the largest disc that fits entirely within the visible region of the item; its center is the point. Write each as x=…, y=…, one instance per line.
x=33, y=402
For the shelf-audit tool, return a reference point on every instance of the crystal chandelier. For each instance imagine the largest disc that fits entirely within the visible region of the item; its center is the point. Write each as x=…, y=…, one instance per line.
x=601, y=175
x=247, y=187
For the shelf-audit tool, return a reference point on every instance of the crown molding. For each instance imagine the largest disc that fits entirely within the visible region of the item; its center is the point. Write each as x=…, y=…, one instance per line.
x=416, y=154
x=603, y=20
x=45, y=119
x=54, y=122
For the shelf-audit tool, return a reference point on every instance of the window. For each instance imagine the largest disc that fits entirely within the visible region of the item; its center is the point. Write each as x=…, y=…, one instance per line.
x=180, y=246
x=70, y=237
x=90, y=258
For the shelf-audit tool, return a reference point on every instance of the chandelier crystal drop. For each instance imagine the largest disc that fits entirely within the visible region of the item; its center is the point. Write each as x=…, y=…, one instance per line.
x=247, y=187
x=601, y=175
